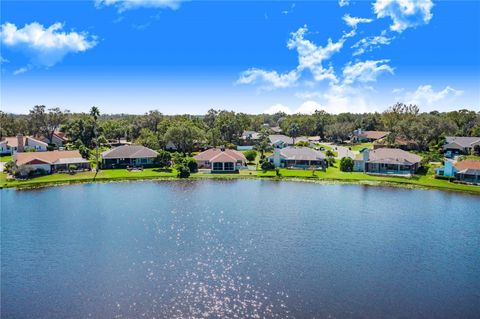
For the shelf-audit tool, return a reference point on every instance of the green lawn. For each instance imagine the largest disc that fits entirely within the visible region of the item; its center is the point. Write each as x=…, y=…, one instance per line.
x=358, y=147
x=103, y=175
x=332, y=174
x=6, y=158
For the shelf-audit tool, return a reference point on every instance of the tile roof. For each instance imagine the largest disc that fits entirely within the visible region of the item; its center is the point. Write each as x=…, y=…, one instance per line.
x=47, y=157
x=301, y=154
x=12, y=141
x=129, y=151
x=373, y=134
x=467, y=164
x=218, y=155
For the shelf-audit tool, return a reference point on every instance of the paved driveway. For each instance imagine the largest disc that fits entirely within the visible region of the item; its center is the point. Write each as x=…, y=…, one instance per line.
x=343, y=152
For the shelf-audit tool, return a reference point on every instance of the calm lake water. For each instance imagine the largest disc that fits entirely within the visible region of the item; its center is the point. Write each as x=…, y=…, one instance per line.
x=238, y=249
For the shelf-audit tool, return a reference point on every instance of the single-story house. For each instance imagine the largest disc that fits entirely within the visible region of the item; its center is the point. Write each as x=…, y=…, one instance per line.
x=249, y=138
x=128, y=155
x=362, y=136
x=13, y=144
x=53, y=161
x=58, y=139
x=280, y=141
x=298, y=157
x=221, y=160
x=400, y=142
x=467, y=170
x=460, y=145
x=314, y=139
x=387, y=161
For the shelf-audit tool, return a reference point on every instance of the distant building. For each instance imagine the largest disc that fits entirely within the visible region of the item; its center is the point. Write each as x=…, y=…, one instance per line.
x=249, y=138
x=387, y=161
x=297, y=157
x=128, y=155
x=221, y=160
x=49, y=162
x=280, y=141
x=58, y=139
x=455, y=145
x=400, y=142
x=368, y=136
x=467, y=170
x=20, y=143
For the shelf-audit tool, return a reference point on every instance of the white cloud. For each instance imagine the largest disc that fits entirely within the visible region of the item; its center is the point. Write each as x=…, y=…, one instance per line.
x=22, y=70
x=425, y=95
x=370, y=43
x=45, y=46
x=310, y=57
x=343, y=3
x=404, y=13
x=123, y=5
x=366, y=71
x=278, y=108
x=354, y=21
x=270, y=79
x=3, y=60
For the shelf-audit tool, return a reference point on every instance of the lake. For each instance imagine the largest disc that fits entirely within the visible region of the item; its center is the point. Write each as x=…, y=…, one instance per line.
x=238, y=249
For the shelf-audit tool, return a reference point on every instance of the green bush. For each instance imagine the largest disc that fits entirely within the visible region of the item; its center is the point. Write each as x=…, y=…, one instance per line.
x=267, y=166
x=302, y=144
x=346, y=164
x=183, y=171
x=163, y=159
x=191, y=163
x=250, y=155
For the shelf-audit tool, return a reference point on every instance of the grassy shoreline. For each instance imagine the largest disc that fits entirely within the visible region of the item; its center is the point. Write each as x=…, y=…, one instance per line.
x=332, y=175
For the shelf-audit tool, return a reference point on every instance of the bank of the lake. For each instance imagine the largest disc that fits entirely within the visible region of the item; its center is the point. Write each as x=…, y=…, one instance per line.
x=332, y=174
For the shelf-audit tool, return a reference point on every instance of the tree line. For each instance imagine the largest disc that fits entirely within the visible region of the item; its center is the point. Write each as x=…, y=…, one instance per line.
x=220, y=127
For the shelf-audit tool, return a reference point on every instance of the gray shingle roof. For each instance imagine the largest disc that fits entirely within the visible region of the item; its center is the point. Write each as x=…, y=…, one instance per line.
x=392, y=156
x=279, y=137
x=129, y=151
x=464, y=141
x=301, y=154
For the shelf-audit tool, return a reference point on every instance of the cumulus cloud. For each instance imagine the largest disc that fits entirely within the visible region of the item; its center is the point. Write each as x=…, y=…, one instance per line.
x=307, y=107
x=22, y=70
x=368, y=44
x=123, y=5
x=425, y=95
x=354, y=21
x=311, y=57
x=269, y=79
x=343, y=3
x=404, y=13
x=366, y=71
x=45, y=46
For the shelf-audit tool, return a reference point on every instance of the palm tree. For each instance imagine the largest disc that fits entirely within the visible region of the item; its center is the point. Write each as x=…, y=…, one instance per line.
x=95, y=114
x=293, y=131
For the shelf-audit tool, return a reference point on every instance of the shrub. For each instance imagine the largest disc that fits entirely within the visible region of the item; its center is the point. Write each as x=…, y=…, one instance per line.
x=329, y=153
x=191, y=163
x=267, y=166
x=331, y=161
x=163, y=159
x=277, y=172
x=250, y=155
x=183, y=171
x=346, y=164
x=303, y=144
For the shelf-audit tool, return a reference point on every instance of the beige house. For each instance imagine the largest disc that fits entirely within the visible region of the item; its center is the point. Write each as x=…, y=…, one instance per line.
x=221, y=160
x=49, y=162
x=387, y=161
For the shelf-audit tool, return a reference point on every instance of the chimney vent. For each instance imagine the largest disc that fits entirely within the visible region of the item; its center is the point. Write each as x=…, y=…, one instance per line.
x=20, y=146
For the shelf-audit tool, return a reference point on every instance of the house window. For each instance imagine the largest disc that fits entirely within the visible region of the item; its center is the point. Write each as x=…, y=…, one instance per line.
x=228, y=166
x=217, y=167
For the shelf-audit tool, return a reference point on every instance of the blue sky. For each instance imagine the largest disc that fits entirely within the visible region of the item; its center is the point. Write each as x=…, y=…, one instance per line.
x=252, y=56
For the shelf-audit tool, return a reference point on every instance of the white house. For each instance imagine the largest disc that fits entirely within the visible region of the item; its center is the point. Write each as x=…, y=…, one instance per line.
x=20, y=143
